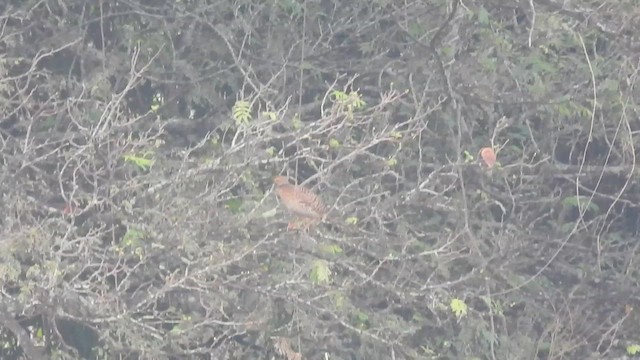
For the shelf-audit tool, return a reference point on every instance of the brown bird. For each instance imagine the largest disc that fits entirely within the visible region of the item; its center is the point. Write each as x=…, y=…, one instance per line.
x=299, y=201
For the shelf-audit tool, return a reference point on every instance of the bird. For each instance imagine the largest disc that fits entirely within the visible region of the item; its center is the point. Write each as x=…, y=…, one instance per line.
x=300, y=202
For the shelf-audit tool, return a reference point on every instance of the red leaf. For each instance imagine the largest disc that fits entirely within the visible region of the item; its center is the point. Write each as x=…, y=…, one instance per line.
x=489, y=156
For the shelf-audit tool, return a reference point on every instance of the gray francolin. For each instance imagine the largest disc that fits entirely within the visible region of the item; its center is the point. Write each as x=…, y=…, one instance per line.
x=300, y=202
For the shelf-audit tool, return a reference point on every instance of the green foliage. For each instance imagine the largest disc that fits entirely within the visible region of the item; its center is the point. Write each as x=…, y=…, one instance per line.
x=4, y=85
x=142, y=162
x=417, y=29
x=539, y=65
x=296, y=121
x=458, y=307
x=215, y=141
x=331, y=249
x=74, y=105
x=489, y=64
x=351, y=101
x=270, y=115
x=351, y=220
x=293, y=8
x=612, y=85
x=570, y=110
x=271, y=151
x=483, y=16
x=10, y=269
x=495, y=306
x=367, y=47
x=575, y=201
x=234, y=205
x=131, y=242
x=186, y=322
x=633, y=349
x=270, y=213
x=361, y=320
x=157, y=101
x=241, y=112
x=320, y=272
x=339, y=300
x=99, y=86
x=468, y=157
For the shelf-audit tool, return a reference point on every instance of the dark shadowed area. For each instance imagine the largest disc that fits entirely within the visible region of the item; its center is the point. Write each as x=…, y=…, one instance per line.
x=478, y=160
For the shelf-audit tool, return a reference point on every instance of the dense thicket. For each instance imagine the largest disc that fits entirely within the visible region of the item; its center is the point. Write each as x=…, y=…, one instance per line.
x=139, y=140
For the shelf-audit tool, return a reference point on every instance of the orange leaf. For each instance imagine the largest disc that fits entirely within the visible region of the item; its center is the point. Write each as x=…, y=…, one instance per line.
x=489, y=156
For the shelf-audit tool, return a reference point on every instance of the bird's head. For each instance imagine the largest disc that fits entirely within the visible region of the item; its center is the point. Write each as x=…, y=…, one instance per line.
x=281, y=181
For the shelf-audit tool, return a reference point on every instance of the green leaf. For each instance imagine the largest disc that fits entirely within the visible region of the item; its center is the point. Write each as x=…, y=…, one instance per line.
x=352, y=100
x=339, y=300
x=234, y=205
x=157, y=101
x=334, y=144
x=612, y=85
x=306, y=66
x=339, y=96
x=633, y=349
x=132, y=238
x=458, y=307
x=320, y=272
x=241, y=112
x=141, y=162
x=269, y=214
x=271, y=151
x=416, y=29
x=567, y=228
x=467, y=156
x=572, y=201
x=361, y=319
x=352, y=220
x=270, y=115
x=297, y=123
x=447, y=51
x=331, y=249
x=367, y=48
x=356, y=100
x=215, y=141
x=483, y=16
x=291, y=7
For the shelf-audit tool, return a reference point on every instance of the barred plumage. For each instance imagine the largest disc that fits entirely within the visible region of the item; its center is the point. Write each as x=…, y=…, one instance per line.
x=300, y=201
